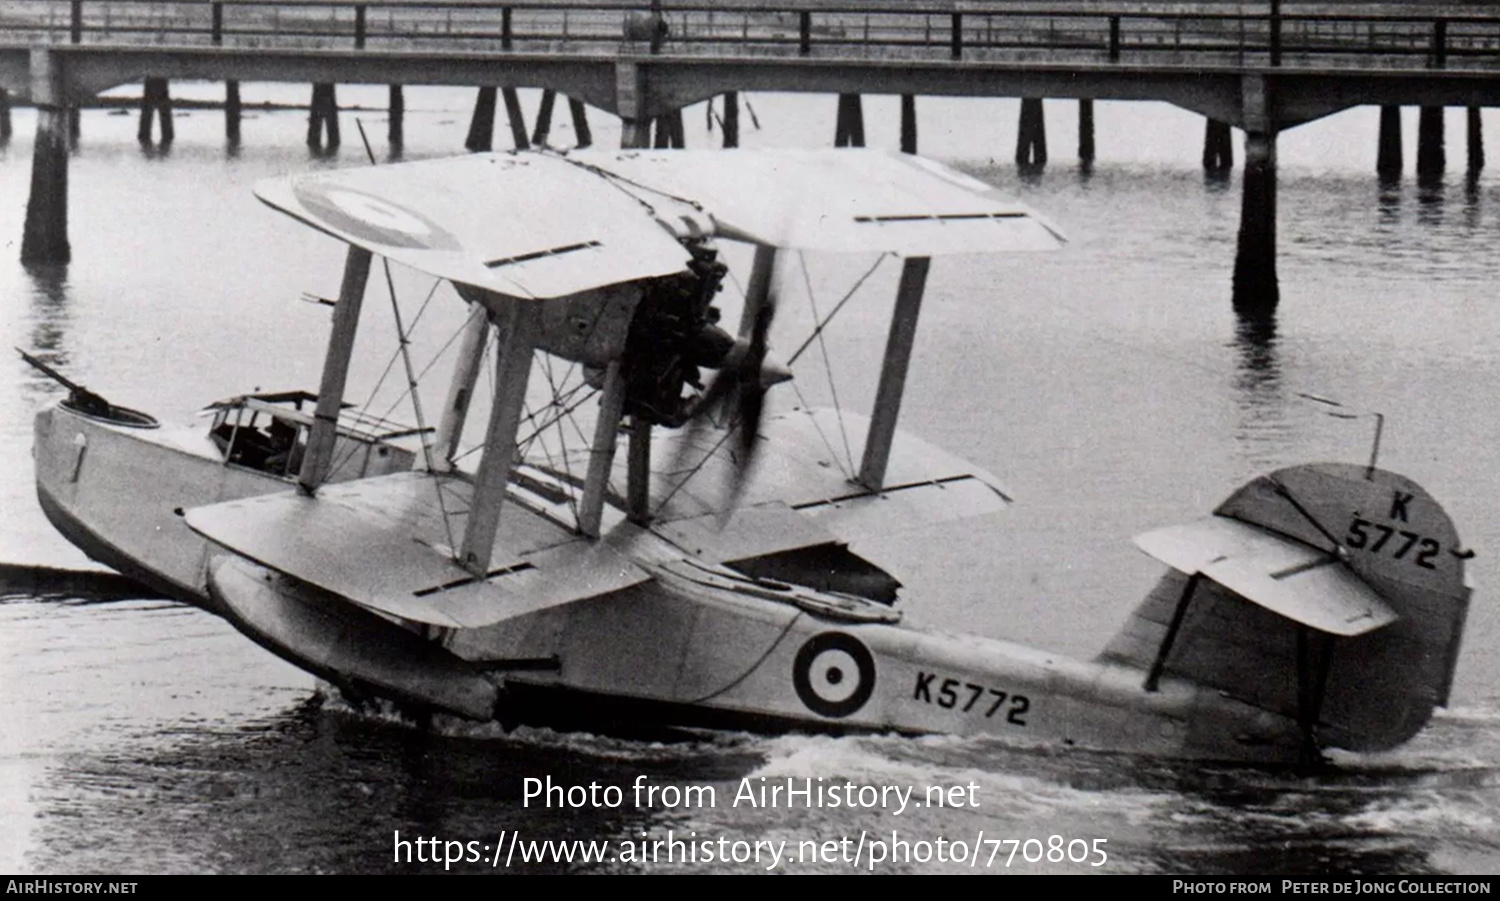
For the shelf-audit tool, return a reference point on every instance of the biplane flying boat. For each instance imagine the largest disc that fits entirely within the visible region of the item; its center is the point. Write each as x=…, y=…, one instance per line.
x=706, y=575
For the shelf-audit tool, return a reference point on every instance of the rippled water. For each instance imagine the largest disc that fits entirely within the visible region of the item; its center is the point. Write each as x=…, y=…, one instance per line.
x=1110, y=385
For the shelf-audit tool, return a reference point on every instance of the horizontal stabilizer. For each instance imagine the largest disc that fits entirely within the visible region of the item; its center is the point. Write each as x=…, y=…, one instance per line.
x=847, y=201
x=343, y=643
x=382, y=543
x=1283, y=575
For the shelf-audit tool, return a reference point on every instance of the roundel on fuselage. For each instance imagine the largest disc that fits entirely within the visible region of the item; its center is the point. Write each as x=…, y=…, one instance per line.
x=834, y=674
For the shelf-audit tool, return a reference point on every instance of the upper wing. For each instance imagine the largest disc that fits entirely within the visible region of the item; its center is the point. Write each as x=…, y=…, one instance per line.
x=833, y=200
x=522, y=225
x=539, y=225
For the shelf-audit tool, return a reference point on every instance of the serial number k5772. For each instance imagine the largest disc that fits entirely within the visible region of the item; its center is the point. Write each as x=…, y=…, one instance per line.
x=967, y=697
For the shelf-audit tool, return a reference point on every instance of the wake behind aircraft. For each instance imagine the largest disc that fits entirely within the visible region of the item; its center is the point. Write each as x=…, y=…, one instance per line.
x=707, y=575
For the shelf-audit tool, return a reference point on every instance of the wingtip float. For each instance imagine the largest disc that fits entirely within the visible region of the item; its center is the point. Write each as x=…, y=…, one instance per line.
x=1320, y=606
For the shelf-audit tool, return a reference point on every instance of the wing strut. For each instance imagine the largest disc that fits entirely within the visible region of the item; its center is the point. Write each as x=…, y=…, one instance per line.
x=461, y=389
x=319, y=454
x=893, y=372
x=517, y=329
x=602, y=453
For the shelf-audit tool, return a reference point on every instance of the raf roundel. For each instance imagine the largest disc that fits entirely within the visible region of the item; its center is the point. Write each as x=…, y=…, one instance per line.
x=373, y=218
x=834, y=674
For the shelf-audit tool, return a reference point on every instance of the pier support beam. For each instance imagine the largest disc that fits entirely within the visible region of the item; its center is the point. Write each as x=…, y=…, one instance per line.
x=669, y=133
x=323, y=119
x=543, y=129
x=1476, y=140
x=1218, y=147
x=908, y=123
x=849, y=128
x=1388, y=159
x=580, y=114
x=731, y=121
x=232, y=109
x=5, y=126
x=156, y=100
x=44, y=239
x=1431, y=157
x=482, y=124
x=395, y=118
x=1031, y=137
x=1086, y=131
x=1256, y=290
x=516, y=119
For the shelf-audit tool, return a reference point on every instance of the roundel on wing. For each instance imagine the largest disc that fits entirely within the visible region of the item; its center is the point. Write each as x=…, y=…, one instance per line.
x=371, y=218
x=834, y=674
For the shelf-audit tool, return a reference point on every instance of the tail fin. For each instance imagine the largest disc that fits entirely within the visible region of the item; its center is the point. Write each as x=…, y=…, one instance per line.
x=1328, y=592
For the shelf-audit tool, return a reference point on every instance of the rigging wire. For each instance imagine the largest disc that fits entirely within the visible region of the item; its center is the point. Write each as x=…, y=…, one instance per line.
x=823, y=347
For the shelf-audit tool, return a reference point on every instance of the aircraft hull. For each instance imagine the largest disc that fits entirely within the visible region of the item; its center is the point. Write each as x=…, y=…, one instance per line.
x=672, y=652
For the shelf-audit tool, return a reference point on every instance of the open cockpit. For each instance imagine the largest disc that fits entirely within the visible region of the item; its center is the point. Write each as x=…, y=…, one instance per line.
x=268, y=432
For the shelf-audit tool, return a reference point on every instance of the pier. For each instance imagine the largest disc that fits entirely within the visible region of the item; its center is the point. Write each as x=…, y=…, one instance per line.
x=1259, y=68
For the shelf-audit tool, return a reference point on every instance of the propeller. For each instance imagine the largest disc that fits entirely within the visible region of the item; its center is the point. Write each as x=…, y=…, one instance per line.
x=736, y=396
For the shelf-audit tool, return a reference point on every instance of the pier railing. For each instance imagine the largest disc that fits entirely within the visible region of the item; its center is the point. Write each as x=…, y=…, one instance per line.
x=1210, y=35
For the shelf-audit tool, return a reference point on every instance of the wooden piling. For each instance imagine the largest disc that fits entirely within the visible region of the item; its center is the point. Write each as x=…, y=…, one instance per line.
x=395, y=118
x=1476, y=140
x=5, y=126
x=516, y=119
x=1085, y=130
x=580, y=122
x=669, y=132
x=543, y=129
x=1431, y=157
x=156, y=101
x=44, y=238
x=1031, y=137
x=908, y=123
x=232, y=110
x=849, y=128
x=731, y=119
x=1388, y=157
x=482, y=123
x=74, y=126
x=1218, y=147
x=323, y=119
x=1256, y=289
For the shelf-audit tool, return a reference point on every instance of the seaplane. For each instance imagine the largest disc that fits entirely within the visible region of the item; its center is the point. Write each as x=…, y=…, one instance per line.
x=708, y=576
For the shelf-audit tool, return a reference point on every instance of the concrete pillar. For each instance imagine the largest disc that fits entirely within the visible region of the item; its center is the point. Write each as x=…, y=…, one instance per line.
x=482, y=123
x=1431, y=158
x=5, y=126
x=395, y=118
x=543, y=129
x=1218, y=147
x=232, y=112
x=1031, y=137
x=849, y=129
x=1476, y=140
x=1388, y=158
x=516, y=119
x=1085, y=130
x=74, y=128
x=44, y=238
x=731, y=119
x=580, y=122
x=323, y=119
x=908, y=123
x=1256, y=290
x=156, y=100
x=630, y=102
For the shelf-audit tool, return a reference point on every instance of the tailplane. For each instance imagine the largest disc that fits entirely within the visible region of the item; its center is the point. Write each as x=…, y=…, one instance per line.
x=1327, y=592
